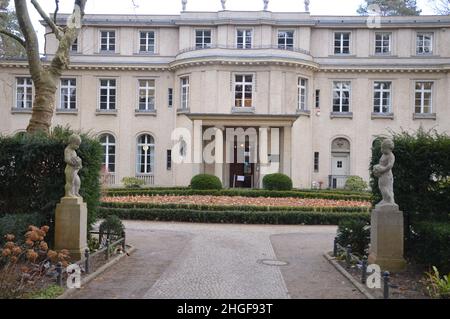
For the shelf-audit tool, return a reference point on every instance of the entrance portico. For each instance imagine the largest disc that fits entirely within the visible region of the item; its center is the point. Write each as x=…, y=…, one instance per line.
x=241, y=148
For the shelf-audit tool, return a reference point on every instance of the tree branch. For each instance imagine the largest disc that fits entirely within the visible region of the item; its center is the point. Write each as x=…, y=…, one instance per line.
x=56, y=10
x=14, y=37
x=56, y=30
x=31, y=40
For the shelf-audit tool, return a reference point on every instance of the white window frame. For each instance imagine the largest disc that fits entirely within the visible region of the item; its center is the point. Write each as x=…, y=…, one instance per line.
x=106, y=155
x=422, y=91
x=69, y=101
x=147, y=42
x=108, y=87
x=383, y=34
x=76, y=43
x=341, y=40
x=243, y=84
x=285, y=45
x=149, y=153
x=422, y=46
x=184, y=92
x=383, y=91
x=340, y=89
x=302, y=89
x=203, y=44
x=108, y=41
x=26, y=86
x=148, y=89
x=244, y=37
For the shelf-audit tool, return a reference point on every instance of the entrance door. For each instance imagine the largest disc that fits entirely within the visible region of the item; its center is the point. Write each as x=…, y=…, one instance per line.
x=339, y=170
x=241, y=174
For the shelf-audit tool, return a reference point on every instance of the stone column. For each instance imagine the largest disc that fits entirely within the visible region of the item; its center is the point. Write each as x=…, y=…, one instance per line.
x=71, y=226
x=197, y=137
x=287, y=130
x=386, y=238
x=218, y=154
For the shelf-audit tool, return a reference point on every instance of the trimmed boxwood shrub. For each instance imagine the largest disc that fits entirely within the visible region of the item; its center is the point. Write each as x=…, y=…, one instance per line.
x=206, y=182
x=132, y=182
x=430, y=245
x=279, y=182
x=238, y=217
x=32, y=173
x=17, y=225
x=356, y=184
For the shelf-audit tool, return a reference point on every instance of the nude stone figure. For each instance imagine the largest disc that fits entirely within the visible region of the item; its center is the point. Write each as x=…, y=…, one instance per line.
x=384, y=173
x=73, y=165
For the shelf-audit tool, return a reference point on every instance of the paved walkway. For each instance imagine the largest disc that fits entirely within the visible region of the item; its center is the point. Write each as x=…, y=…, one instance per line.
x=187, y=261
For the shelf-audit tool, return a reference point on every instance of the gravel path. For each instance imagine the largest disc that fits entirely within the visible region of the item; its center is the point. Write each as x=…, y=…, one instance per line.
x=182, y=260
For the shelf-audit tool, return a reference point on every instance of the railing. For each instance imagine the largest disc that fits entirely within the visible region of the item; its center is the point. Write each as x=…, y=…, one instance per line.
x=337, y=181
x=109, y=179
x=234, y=47
x=148, y=179
x=361, y=264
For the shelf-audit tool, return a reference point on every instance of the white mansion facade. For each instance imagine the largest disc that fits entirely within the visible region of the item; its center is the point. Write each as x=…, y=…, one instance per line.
x=321, y=87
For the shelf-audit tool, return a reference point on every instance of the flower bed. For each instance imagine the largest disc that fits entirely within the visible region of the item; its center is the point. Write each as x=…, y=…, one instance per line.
x=209, y=200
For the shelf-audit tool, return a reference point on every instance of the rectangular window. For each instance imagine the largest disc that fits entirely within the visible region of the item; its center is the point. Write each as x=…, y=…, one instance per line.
x=244, y=39
x=317, y=99
x=424, y=98
x=169, y=160
x=202, y=39
x=146, y=95
x=108, y=41
x=316, y=162
x=184, y=82
x=147, y=41
x=341, y=97
x=342, y=43
x=170, y=97
x=302, y=86
x=74, y=46
x=382, y=43
x=68, y=94
x=24, y=93
x=107, y=94
x=382, y=97
x=424, y=43
x=286, y=40
x=243, y=90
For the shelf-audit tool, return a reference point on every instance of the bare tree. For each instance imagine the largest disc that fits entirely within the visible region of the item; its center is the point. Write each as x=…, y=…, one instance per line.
x=441, y=7
x=46, y=77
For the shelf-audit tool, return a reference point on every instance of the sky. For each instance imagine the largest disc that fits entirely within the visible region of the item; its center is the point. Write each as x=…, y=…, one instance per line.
x=317, y=7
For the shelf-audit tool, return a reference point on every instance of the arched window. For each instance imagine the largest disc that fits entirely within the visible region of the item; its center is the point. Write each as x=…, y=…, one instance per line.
x=145, y=154
x=109, y=152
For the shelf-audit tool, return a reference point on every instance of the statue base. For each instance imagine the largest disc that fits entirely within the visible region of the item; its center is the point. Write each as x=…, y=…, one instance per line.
x=386, y=238
x=71, y=226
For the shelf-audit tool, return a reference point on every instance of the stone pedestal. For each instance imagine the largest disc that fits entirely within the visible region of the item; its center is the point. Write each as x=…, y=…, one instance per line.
x=71, y=226
x=386, y=238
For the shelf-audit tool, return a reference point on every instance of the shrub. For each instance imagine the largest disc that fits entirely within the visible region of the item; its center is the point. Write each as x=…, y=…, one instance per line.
x=355, y=233
x=429, y=245
x=132, y=182
x=206, y=182
x=279, y=182
x=438, y=287
x=112, y=224
x=32, y=173
x=355, y=184
x=18, y=224
x=238, y=217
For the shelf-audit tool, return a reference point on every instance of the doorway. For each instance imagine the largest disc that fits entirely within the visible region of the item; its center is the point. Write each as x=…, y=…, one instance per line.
x=242, y=170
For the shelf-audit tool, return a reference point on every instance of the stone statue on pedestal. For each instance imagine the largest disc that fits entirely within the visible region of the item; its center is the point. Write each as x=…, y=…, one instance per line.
x=183, y=4
x=73, y=165
x=384, y=173
x=223, y=4
x=307, y=5
x=266, y=4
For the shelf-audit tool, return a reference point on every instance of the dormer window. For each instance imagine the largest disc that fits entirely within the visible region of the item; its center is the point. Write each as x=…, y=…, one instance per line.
x=202, y=39
x=108, y=41
x=244, y=38
x=147, y=42
x=342, y=43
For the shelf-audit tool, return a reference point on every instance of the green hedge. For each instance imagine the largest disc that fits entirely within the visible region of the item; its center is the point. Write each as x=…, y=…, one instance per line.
x=430, y=245
x=238, y=192
x=205, y=182
x=233, y=208
x=199, y=216
x=279, y=182
x=32, y=173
